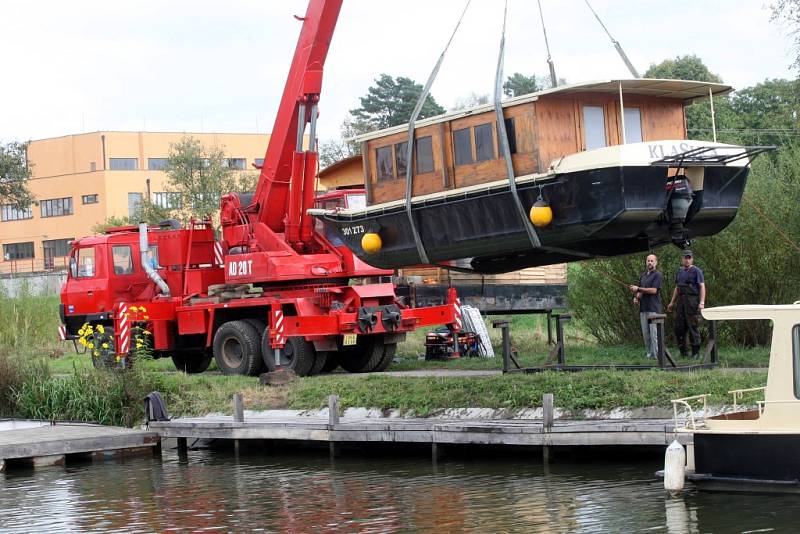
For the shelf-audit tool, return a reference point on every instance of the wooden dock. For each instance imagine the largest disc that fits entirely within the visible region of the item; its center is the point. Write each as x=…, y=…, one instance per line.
x=511, y=432
x=42, y=444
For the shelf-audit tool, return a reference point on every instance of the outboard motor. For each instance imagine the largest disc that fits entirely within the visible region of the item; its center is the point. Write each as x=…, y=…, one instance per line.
x=679, y=202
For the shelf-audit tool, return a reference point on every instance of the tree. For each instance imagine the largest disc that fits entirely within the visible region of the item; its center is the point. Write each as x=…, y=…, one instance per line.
x=391, y=101
x=14, y=175
x=470, y=101
x=689, y=67
x=788, y=11
x=198, y=176
x=334, y=150
x=519, y=84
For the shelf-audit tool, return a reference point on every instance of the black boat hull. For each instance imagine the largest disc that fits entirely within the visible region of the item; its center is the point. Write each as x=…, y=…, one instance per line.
x=598, y=212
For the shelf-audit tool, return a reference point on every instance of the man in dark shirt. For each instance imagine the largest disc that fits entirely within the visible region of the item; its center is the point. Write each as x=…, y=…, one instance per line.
x=647, y=297
x=690, y=297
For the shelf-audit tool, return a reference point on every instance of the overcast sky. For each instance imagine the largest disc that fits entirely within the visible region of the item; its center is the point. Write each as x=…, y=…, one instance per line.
x=203, y=65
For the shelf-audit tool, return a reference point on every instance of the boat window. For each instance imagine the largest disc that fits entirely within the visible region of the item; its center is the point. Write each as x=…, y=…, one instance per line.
x=357, y=202
x=123, y=260
x=86, y=263
x=796, y=359
x=462, y=144
x=484, y=144
x=511, y=135
x=594, y=127
x=383, y=159
x=400, y=158
x=424, y=147
x=633, y=125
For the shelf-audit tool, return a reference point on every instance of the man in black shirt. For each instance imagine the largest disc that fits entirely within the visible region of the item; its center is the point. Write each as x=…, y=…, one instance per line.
x=647, y=297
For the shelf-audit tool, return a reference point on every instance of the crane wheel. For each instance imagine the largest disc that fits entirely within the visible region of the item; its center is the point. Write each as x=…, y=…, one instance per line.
x=192, y=362
x=320, y=360
x=260, y=326
x=389, y=350
x=365, y=356
x=297, y=355
x=236, y=348
x=331, y=363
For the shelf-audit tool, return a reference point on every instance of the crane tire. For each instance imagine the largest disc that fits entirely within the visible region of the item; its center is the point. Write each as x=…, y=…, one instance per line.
x=237, y=349
x=297, y=355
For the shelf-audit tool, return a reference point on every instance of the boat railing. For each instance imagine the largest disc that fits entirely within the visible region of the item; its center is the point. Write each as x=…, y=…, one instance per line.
x=691, y=422
x=739, y=393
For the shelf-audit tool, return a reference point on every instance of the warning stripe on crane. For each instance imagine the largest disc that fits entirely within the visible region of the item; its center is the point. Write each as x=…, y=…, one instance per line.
x=218, y=253
x=124, y=328
x=279, y=326
x=62, y=333
x=457, y=314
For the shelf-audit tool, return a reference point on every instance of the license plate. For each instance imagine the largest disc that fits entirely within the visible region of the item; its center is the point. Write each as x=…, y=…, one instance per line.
x=349, y=339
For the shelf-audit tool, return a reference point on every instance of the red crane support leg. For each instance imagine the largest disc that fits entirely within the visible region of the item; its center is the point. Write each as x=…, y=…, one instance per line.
x=306, y=221
x=295, y=202
x=455, y=327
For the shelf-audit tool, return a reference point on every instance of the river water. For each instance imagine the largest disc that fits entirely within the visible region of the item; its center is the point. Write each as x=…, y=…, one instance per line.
x=209, y=490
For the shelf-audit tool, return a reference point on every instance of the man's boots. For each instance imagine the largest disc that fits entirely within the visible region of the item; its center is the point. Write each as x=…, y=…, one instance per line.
x=695, y=352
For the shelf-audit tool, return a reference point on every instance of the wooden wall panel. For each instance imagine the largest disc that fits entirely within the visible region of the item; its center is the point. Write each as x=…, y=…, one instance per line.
x=557, y=129
x=663, y=120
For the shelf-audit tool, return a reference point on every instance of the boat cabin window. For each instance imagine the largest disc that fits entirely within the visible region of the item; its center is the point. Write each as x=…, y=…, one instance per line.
x=383, y=159
x=633, y=125
x=594, y=127
x=123, y=259
x=511, y=135
x=424, y=147
x=82, y=264
x=462, y=145
x=357, y=201
x=484, y=143
x=400, y=150
x=796, y=359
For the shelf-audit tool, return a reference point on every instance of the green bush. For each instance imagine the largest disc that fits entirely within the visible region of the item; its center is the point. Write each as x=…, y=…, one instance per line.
x=750, y=262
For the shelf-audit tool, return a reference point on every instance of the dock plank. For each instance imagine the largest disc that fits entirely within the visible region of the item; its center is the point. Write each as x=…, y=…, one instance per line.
x=53, y=440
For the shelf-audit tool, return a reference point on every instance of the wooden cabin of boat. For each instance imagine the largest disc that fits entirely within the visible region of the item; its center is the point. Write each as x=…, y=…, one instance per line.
x=460, y=149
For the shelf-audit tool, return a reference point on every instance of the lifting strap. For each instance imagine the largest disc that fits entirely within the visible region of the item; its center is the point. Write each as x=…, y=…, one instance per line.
x=616, y=44
x=502, y=138
x=550, y=64
x=423, y=256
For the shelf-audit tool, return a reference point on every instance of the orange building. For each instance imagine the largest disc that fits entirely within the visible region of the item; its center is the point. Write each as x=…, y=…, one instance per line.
x=82, y=180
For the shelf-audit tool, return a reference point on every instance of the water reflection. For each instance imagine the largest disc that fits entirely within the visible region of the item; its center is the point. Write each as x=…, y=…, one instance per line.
x=217, y=491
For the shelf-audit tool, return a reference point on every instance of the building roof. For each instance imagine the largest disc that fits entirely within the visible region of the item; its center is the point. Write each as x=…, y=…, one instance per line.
x=333, y=167
x=685, y=90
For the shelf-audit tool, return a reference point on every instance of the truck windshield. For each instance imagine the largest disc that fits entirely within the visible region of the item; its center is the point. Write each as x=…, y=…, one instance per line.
x=82, y=265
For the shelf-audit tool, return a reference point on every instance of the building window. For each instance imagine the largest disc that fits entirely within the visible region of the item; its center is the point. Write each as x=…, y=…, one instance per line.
x=511, y=135
x=18, y=251
x=56, y=207
x=134, y=203
x=383, y=159
x=400, y=153
x=236, y=163
x=123, y=260
x=633, y=125
x=12, y=213
x=594, y=127
x=167, y=200
x=424, y=147
x=462, y=144
x=259, y=162
x=484, y=143
x=92, y=166
x=123, y=164
x=55, y=248
x=89, y=199
x=157, y=164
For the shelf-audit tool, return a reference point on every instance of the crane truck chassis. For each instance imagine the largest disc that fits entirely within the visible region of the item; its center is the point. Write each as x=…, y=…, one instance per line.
x=273, y=291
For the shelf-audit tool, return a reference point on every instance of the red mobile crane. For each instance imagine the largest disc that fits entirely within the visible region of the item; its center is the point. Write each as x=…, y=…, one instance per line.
x=273, y=290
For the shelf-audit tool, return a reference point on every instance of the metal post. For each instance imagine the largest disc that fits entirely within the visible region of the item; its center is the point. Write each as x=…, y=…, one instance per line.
x=549, y=327
x=713, y=120
x=238, y=408
x=561, y=354
x=712, y=339
x=182, y=447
